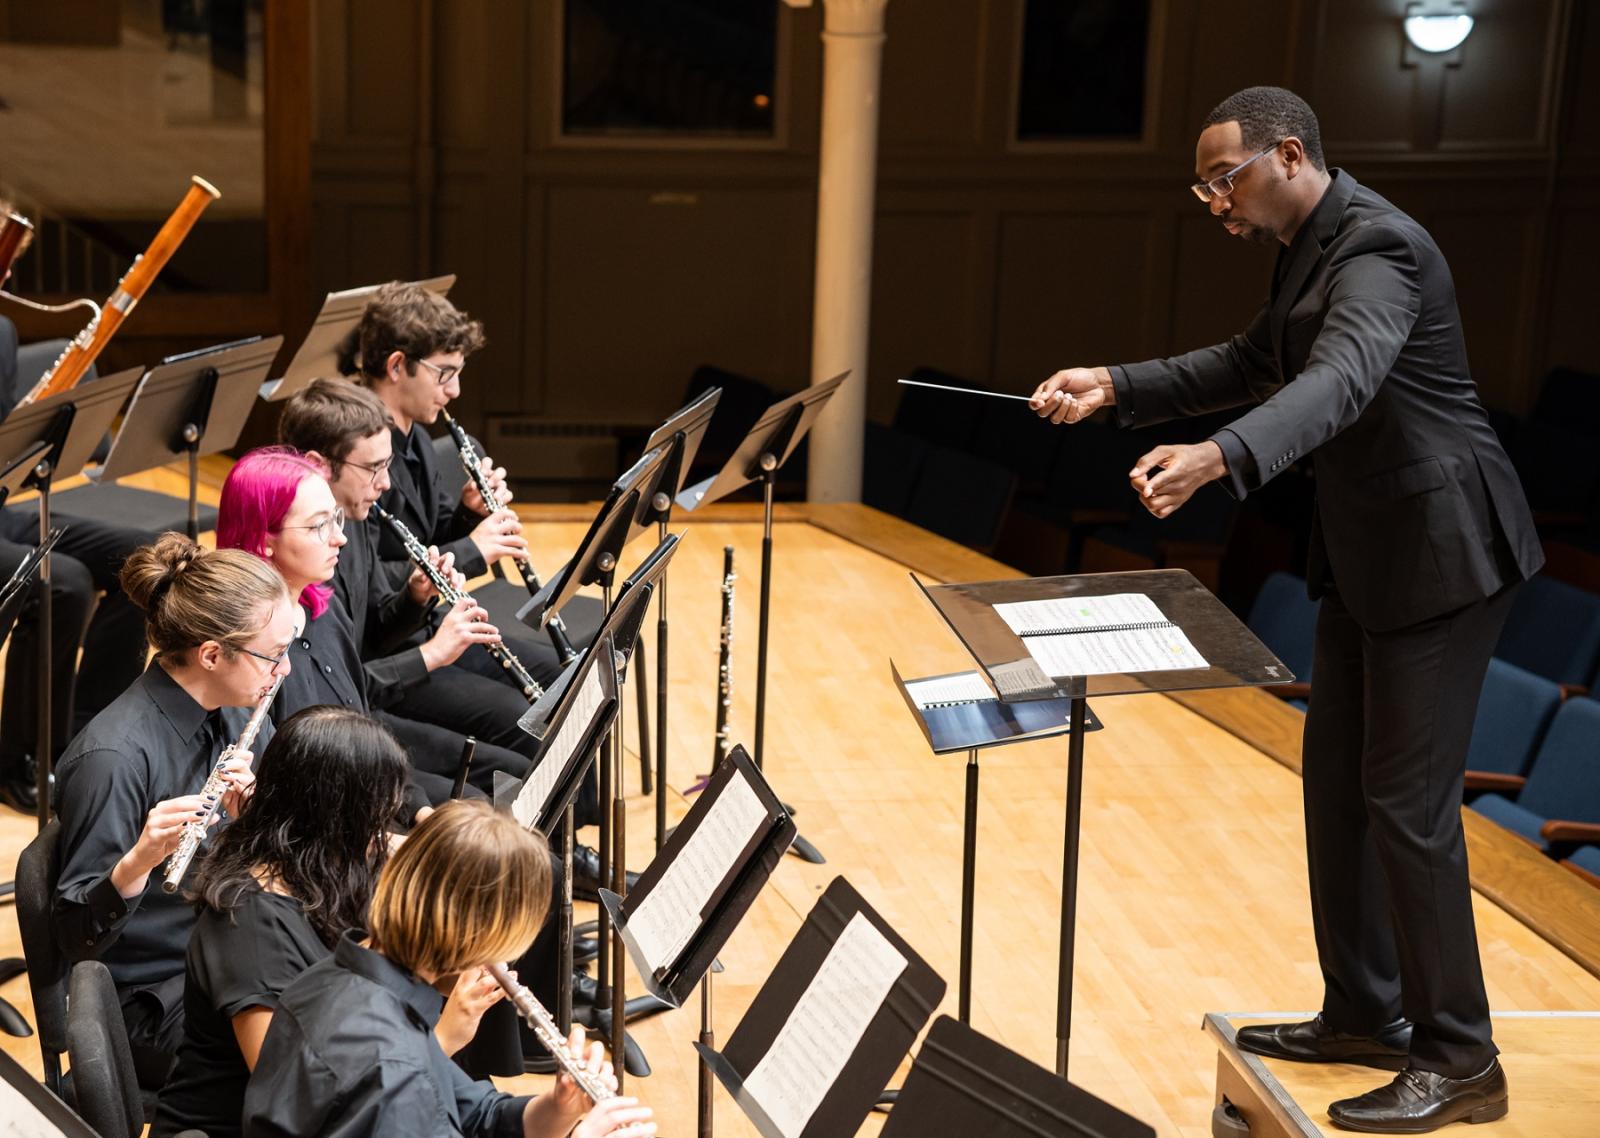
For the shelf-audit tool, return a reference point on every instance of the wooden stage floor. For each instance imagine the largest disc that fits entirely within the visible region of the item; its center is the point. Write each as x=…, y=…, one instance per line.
x=1192, y=883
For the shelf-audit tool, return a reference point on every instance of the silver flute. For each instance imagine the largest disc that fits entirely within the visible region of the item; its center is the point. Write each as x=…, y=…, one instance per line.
x=544, y=1028
x=555, y=626
x=194, y=831
x=531, y=690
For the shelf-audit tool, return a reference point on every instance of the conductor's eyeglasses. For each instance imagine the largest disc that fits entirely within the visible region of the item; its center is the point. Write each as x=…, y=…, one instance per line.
x=1222, y=185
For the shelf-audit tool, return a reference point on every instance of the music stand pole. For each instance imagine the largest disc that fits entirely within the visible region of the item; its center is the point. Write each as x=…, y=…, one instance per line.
x=1069, y=885
x=708, y=1040
x=661, y=692
x=969, y=868
x=769, y=476
x=607, y=564
x=44, y=760
x=191, y=441
x=618, y=864
x=564, y=937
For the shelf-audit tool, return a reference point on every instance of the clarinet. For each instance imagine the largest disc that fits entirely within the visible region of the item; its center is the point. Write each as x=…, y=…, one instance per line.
x=719, y=749
x=452, y=596
x=555, y=626
x=544, y=1028
x=194, y=831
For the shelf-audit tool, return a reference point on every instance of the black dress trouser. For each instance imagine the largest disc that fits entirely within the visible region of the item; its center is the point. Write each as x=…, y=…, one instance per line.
x=1385, y=752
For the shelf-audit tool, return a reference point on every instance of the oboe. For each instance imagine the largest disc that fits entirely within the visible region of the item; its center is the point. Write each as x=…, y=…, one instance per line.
x=725, y=661
x=194, y=831
x=451, y=595
x=544, y=1028
x=555, y=626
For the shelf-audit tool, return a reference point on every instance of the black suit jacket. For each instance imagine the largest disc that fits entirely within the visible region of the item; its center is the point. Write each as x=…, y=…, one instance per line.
x=1359, y=361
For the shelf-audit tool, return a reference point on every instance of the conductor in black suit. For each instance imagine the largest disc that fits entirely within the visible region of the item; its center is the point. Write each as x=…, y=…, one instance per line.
x=1421, y=534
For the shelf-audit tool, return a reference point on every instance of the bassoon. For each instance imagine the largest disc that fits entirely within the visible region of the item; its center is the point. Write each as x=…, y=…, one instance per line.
x=70, y=367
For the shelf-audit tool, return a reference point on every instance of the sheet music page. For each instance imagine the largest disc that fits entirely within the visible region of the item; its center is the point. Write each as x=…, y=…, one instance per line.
x=1079, y=612
x=669, y=915
x=19, y=1118
x=531, y=799
x=824, y=1028
x=963, y=687
x=1105, y=653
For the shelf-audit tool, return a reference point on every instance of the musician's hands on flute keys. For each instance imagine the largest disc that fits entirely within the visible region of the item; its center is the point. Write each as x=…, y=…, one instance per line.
x=163, y=829
x=475, y=992
x=472, y=499
x=620, y=1117
x=238, y=772
x=464, y=625
x=1073, y=394
x=500, y=535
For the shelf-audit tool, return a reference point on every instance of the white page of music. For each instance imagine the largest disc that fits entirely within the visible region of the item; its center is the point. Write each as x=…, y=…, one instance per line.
x=1106, y=653
x=1079, y=612
x=824, y=1028
x=669, y=915
x=963, y=687
x=530, y=801
x=19, y=1118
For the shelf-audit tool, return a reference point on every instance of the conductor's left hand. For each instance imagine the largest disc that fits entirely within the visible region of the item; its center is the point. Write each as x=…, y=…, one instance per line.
x=1183, y=470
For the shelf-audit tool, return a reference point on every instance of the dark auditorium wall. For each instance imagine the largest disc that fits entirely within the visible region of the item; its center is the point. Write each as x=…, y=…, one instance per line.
x=607, y=270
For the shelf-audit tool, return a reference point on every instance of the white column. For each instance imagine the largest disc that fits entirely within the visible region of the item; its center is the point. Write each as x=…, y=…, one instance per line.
x=847, y=175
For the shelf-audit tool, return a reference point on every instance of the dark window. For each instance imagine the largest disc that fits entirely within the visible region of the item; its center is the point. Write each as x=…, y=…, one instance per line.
x=669, y=67
x=1083, y=69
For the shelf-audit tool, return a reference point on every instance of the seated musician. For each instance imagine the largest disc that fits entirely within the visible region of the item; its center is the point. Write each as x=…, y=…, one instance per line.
x=275, y=892
x=111, y=632
x=351, y=1050
x=220, y=624
x=277, y=504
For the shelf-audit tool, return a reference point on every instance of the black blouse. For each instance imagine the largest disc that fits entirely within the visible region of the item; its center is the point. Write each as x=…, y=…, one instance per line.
x=351, y=1052
x=237, y=960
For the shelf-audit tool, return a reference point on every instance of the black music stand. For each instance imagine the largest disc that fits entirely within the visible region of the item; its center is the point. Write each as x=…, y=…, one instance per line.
x=706, y=877
x=682, y=432
x=842, y=1075
x=70, y=425
x=30, y=1107
x=766, y=447
x=960, y=712
x=318, y=354
x=1232, y=656
x=189, y=406
x=963, y=1083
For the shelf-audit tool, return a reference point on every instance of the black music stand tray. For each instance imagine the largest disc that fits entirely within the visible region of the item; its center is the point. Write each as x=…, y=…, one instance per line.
x=682, y=432
x=972, y=724
x=1233, y=656
x=765, y=449
x=190, y=406
x=888, y=1035
x=318, y=354
x=33, y=1109
x=673, y=976
x=71, y=424
x=964, y=1083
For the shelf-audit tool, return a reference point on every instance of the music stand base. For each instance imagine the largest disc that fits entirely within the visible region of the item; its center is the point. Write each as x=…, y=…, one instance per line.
x=807, y=852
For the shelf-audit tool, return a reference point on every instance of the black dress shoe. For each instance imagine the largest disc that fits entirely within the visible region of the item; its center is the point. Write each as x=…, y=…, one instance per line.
x=583, y=988
x=1419, y=1101
x=20, y=794
x=586, y=881
x=585, y=949
x=1315, y=1042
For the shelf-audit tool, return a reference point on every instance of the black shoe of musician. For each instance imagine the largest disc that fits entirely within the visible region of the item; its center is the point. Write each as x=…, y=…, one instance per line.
x=584, y=949
x=586, y=874
x=1315, y=1042
x=583, y=988
x=1419, y=1101
x=18, y=788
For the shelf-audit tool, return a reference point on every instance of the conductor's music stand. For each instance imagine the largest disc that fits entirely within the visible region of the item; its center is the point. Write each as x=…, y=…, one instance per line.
x=318, y=354
x=190, y=406
x=682, y=432
x=766, y=447
x=1230, y=654
x=69, y=425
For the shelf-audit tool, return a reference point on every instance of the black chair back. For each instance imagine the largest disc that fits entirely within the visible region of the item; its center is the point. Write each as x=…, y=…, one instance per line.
x=37, y=867
x=104, y=1084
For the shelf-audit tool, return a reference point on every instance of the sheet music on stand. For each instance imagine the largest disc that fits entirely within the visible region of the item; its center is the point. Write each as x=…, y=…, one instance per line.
x=959, y=711
x=828, y=1028
x=692, y=896
x=29, y=1110
x=318, y=355
x=964, y=1083
x=586, y=710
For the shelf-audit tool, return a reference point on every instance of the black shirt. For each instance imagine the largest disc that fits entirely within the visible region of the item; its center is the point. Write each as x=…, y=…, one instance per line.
x=152, y=743
x=351, y=1052
x=382, y=618
x=237, y=960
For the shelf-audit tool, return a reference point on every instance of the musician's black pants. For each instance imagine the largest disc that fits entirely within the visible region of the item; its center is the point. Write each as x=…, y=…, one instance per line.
x=85, y=562
x=1385, y=750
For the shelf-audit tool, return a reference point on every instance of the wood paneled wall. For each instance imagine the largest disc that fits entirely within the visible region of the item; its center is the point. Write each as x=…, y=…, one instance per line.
x=605, y=272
